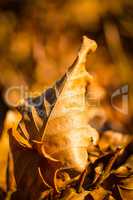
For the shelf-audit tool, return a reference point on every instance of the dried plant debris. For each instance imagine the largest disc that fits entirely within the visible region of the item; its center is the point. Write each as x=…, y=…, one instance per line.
x=56, y=155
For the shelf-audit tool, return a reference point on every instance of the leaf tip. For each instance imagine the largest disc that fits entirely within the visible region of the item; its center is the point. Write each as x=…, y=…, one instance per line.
x=87, y=47
x=89, y=44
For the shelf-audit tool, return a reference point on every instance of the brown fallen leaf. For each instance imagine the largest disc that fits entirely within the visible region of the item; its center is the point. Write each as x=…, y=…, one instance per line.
x=67, y=134
x=98, y=193
x=72, y=195
x=53, y=132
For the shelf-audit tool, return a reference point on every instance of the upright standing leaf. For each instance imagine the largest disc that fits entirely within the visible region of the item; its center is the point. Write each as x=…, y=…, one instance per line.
x=53, y=131
x=67, y=135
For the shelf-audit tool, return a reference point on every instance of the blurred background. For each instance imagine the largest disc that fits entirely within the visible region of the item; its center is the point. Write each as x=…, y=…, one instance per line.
x=39, y=39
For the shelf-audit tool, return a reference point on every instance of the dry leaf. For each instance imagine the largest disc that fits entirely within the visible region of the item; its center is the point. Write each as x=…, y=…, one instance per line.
x=54, y=133
x=72, y=195
x=67, y=134
x=98, y=193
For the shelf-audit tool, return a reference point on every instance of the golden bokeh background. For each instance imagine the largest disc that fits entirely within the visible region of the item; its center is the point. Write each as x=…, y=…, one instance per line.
x=39, y=39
